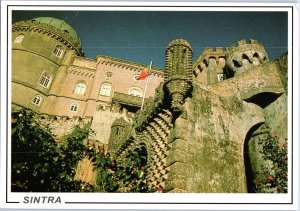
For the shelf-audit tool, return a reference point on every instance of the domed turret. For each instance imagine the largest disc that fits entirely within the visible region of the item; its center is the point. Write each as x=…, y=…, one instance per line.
x=61, y=25
x=53, y=27
x=41, y=49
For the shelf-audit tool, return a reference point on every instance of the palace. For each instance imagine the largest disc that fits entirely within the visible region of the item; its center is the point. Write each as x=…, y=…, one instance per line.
x=202, y=121
x=51, y=76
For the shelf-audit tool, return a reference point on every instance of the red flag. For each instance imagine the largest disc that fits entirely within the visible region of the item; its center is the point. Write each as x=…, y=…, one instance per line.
x=143, y=75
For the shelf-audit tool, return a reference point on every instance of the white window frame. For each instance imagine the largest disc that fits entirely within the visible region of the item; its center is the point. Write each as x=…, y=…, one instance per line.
x=220, y=77
x=19, y=38
x=105, y=89
x=74, y=107
x=44, y=81
x=58, y=50
x=37, y=100
x=80, y=88
x=133, y=89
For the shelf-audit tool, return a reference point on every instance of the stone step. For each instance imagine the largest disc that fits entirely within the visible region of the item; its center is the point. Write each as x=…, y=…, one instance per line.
x=164, y=125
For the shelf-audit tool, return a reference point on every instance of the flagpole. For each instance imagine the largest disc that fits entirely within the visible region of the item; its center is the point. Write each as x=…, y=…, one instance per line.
x=146, y=86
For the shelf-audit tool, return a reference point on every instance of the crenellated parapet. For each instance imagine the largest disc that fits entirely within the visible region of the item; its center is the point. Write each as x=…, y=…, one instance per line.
x=61, y=125
x=64, y=33
x=89, y=73
x=179, y=73
x=133, y=66
x=210, y=65
x=203, y=61
x=245, y=55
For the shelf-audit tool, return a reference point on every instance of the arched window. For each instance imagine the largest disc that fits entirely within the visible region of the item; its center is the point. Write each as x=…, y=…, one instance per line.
x=80, y=88
x=58, y=51
x=105, y=89
x=19, y=38
x=37, y=99
x=74, y=107
x=135, y=91
x=45, y=80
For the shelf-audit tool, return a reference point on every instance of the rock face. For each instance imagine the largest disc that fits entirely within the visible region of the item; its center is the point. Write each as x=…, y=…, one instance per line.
x=85, y=171
x=199, y=136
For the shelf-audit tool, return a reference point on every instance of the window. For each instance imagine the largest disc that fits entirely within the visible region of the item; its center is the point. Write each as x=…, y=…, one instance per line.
x=58, y=51
x=80, y=88
x=135, y=91
x=45, y=80
x=220, y=77
x=105, y=89
x=37, y=99
x=74, y=107
x=19, y=38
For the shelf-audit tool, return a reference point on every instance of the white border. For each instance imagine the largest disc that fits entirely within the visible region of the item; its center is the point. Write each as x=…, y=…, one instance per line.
x=208, y=199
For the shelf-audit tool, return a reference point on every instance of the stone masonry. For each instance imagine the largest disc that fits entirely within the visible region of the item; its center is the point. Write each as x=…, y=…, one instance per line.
x=198, y=134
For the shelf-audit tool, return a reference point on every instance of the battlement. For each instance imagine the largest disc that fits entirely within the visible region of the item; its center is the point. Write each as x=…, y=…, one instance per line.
x=49, y=30
x=244, y=55
x=245, y=42
x=217, y=50
x=61, y=125
x=210, y=52
x=53, y=118
x=103, y=59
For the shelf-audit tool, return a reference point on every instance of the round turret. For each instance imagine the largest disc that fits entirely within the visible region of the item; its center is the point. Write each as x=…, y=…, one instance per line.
x=178, y=61
x=245, y=55
x=41, y=47
x=180, y=42
x=179, y=72
x=52, y=27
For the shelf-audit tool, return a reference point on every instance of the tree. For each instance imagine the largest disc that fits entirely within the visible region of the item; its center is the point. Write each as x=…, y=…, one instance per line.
x=38, y=162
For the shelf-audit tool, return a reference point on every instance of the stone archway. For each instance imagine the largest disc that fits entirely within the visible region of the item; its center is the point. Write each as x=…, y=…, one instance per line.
x=252, y=154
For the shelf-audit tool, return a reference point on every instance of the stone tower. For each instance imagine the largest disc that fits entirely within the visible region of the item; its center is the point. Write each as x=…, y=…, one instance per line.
x=210, y=65
x=245, y=55
x=178, y=66
x=41, y=48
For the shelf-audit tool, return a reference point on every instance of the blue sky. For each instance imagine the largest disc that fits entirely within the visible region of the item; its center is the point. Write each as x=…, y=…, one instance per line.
x=142, y=36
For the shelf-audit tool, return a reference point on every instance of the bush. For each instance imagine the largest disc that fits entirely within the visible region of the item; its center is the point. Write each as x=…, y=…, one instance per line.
x=273, y=176
x=126, y=175
x=38, y=162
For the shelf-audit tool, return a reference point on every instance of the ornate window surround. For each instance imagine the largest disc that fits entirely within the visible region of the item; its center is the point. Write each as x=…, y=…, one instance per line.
x=58, y=50
x=37, y=100
x=45, y=80
x=105, y=89
x=80, y=88
x=74, y=107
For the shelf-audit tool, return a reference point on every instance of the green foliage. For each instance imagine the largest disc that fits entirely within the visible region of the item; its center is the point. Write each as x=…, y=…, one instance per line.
x=39, y=163
x=125, y=175
x=272, y=177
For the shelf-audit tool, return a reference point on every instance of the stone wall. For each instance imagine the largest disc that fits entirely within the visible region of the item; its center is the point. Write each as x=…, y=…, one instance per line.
x=62, y=125
x=103, y=120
